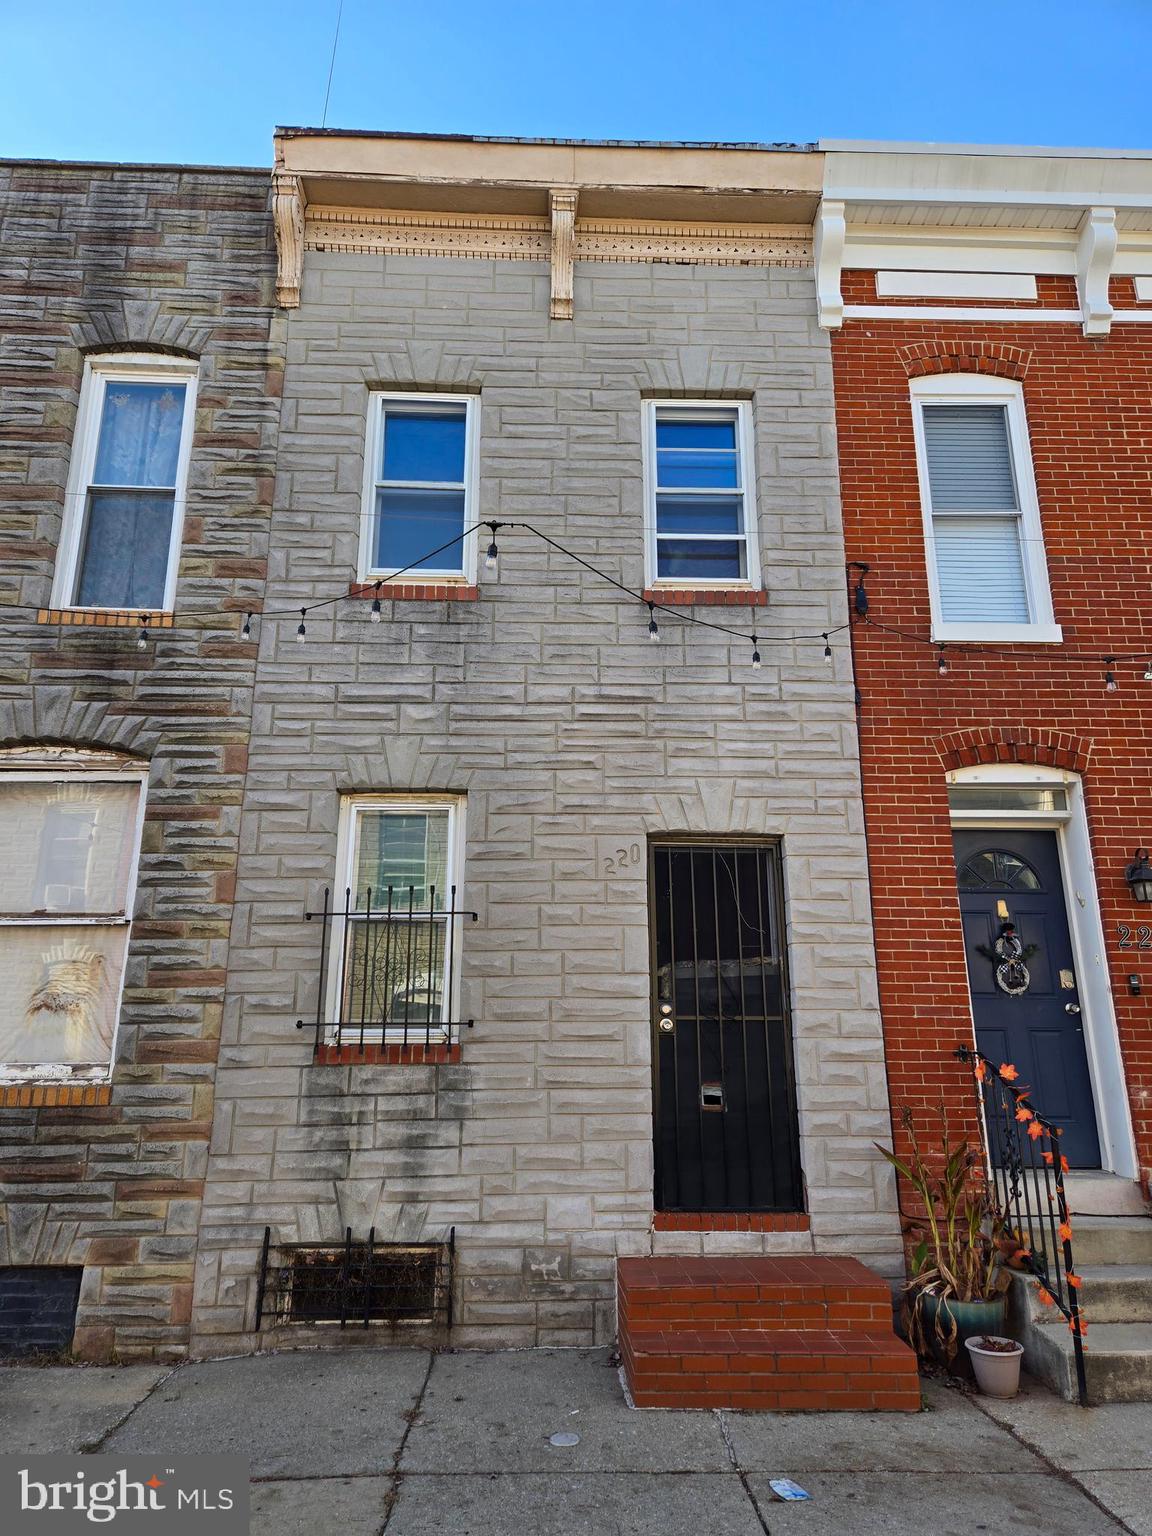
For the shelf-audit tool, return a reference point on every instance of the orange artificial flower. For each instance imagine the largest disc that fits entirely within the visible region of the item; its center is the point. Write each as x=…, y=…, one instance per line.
x=1064, y=1231
x=980, y=1071
x=1023, y=1113
x=1035, y=1130
x=1048, y=1158
x=1045, y=1298
x=1009, y=1073
x=1074, y=1281
x=1078, y=1325
x=1065, y=1165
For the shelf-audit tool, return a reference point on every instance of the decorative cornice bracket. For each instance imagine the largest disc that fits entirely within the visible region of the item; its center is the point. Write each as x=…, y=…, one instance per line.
x=562, y=205
x=1095, y=254
x=828, y=254
x=288, y=204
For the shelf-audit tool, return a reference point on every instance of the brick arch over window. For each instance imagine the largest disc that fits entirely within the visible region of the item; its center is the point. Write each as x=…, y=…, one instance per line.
x=924, y=358
x=1014, y=744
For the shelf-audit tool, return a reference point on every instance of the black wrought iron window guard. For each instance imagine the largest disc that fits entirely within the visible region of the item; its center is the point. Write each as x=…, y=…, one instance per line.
x=356, y=1284
x=1026, y=1172
x=396, y=969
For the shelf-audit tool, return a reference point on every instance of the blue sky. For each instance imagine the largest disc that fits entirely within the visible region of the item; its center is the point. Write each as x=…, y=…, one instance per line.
x=206, y=82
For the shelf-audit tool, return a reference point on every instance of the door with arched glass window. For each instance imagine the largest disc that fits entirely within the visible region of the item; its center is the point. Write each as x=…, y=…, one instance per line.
x=1027, y=1013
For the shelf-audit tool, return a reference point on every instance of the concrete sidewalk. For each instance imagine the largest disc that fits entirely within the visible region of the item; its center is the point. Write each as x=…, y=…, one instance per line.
x=415, y=1444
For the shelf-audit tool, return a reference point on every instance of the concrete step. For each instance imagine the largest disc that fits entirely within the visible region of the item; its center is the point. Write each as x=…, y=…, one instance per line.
x=1107, y=1240
x=773, y=1293
x=1110, y=1293
x=786, y=1370
x=1091, y=1193
x=1117, y=1360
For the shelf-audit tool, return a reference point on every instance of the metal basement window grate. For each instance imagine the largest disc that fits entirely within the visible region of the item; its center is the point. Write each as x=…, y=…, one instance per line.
x=356, y=1283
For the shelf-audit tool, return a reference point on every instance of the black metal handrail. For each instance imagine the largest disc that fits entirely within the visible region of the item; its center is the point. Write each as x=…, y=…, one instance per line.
x=1026, y=1171
x=396, y=970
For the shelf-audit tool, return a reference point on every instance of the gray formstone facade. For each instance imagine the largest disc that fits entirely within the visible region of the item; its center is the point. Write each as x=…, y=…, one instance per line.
x=96, y=260
x=568, y=736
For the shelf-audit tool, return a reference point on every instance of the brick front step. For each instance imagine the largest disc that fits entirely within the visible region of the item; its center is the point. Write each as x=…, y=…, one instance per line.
x=797, y=1370
x=787, y=1292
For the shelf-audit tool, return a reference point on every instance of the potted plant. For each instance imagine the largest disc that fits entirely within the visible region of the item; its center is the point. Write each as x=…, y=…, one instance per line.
x=996, y=1361
x=959, y=1276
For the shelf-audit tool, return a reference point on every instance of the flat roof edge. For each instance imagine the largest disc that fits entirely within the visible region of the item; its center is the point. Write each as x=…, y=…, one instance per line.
x=177, y=166
x=1023, y=151
x=496, y=138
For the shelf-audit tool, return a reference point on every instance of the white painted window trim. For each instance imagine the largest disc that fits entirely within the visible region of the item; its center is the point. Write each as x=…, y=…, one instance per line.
x=351, y=807
x=948, y=389
x=1082, y=905
x=65, y=1072
x=462, y=570
x=99, y=372
x=747, y=463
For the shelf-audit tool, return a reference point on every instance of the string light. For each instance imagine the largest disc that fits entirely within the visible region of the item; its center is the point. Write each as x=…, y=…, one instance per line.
x=653, y=627
x=1110, y=683
x=301, y=632
x=860, y=596
x=755, y=655
x=942, y=662
x=493, y=553
x=142, y=637
x=827, y=650
x=246, y=632
x=374, y=616
x=1148, y=671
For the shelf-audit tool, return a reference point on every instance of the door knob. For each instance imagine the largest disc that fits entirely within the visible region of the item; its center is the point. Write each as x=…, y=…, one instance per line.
x=1071, y=1007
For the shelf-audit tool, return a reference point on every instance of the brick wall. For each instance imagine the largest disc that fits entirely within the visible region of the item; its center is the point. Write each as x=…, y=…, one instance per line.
x=542, y=702
x=1086, y=402
x=110, y=258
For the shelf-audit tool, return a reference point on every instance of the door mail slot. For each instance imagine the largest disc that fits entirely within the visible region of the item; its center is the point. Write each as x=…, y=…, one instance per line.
x=712, y=1096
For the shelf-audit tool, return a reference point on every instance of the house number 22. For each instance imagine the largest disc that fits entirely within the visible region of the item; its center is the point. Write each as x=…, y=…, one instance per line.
x=1139, y=938
x=623, y=858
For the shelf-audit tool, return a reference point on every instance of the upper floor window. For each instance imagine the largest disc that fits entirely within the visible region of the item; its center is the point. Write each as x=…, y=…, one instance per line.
x=701, y=520
x=71, y=837
x=124, y=514
x=419, y=489
x=986, y=568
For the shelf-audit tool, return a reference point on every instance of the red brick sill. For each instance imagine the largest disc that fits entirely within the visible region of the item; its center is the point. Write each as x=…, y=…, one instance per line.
x=731, y=1221
x=416, y=591
x=47, y=1095
x=385, y=1053
x=716, y=597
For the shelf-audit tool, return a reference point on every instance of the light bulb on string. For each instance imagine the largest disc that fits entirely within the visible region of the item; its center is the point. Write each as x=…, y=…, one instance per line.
x=301, y=632
x=246, y=631
x=653, y=627
x=1110, y=683
x=492, y=555
x=142, y=637
x=827, y=650
x=1148, y=671
x=755, y=655
x=374, y=616
x=942, y=662
x=860, y=599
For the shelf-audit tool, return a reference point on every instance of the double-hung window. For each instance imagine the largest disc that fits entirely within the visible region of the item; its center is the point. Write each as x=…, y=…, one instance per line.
x=419, y=487
x=701, y=517
x=120, y=537
x=71, y=841
x=987, y=573
x=395, y=963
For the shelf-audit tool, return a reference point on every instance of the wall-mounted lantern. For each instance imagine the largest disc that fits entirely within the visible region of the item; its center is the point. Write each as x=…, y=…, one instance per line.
x=1139, y=876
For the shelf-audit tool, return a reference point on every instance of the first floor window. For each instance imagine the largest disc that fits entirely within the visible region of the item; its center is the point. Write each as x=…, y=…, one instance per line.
x=122, y=523
x=701, y=518
x=987, y=570
x=70, y=846
x=397, y=956
x=419, y=487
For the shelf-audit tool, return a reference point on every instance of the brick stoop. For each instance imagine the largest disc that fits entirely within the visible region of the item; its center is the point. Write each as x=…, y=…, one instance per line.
x=763, y=1333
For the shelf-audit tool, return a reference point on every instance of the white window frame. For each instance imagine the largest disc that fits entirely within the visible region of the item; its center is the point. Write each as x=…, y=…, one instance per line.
x=57, y=1072
x=742, y=409
x=958, y=388
x=351, y=808
x=99, y=372
x=462, y=571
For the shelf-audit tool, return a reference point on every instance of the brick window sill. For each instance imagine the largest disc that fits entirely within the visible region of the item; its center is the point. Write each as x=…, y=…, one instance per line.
x=715, y=597
x=106, y=618
x=385, y=1053
x=731, y=1221
x=49, y=1095
x=416, y=591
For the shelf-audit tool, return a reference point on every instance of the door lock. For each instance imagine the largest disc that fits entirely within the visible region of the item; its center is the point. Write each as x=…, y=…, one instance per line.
x=1071, y=1007
x=667, y=1026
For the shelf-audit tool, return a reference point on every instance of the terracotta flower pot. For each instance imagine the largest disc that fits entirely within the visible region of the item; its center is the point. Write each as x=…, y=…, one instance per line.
x=997, y=1370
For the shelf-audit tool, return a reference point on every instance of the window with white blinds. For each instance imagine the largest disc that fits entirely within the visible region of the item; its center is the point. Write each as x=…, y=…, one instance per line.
x=981, y=519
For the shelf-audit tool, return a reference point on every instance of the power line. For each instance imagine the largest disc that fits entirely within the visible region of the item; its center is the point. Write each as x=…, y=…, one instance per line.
x=332, y=63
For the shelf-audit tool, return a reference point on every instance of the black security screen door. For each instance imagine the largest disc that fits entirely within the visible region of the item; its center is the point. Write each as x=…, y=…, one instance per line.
x=726, y=1131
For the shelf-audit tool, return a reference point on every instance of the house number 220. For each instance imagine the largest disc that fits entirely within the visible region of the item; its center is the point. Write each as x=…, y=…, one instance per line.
x=1140, y=938
x=623, y=858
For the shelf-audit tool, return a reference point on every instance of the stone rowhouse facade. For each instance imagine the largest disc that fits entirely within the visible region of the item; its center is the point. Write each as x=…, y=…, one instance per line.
x=542, y=704
x=180, y=262
x=1085, y=377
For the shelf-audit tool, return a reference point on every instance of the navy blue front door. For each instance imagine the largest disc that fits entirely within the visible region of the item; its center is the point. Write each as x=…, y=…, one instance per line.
x=1014, y=877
